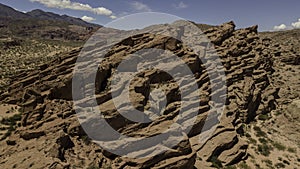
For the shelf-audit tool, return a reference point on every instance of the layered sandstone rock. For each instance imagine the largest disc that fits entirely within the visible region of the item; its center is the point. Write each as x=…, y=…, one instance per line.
x=50, y=135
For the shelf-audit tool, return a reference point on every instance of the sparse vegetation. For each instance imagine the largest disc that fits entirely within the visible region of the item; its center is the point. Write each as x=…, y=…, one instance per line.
x=279, y=146
x=264, y=149
x=252, y=141
x=263, y=117
x=11, y=122
x=277, y=113
x=259, y=132
x=230, y=167
x=216, y=162
x=262, y=140
x=248, y=135
x=292, y=150
x=86, y=139
x=268, y=163
x=29, y=55
x=243, y=165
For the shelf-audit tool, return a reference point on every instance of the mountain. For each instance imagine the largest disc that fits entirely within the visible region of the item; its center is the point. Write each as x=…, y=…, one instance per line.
x=6, y=11
x=38, y=24
x=39, y=14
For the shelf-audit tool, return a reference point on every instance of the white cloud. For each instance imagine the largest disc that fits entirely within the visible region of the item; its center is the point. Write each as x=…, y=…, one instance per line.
x=280, y=27
x=139, y=6
x=296, y=24
x=113, y=17
x=88, y=18
x=67, y=4
x=181, y=5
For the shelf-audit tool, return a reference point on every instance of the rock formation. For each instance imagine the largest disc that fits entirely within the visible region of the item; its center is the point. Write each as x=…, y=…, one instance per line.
x=50, y=136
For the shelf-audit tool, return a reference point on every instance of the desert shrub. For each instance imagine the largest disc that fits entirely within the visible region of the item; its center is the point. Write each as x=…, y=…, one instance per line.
x=277, y=113
x=263, y=117
x=252, y=141
x=256, y=128
x=257, y=166
x=243, y=165
x=292, y=150
x=259, y=132
x=11, y=122
x=230, y=167
x=86, y=139
x=268, y=163
x=216, y=162
x=248, y=135
x=264, y=149
x=262, y=140
x=279, y=146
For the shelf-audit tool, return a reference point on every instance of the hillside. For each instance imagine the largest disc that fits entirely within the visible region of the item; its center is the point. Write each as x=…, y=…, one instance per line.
x=30, y=39
x=49, y=123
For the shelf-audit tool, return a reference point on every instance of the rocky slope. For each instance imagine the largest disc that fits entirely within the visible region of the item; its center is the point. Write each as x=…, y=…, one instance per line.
x=49, y=135
x=274, y=139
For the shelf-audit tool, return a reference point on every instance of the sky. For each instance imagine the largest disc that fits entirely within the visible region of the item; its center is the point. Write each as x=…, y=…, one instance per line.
x=268, y=14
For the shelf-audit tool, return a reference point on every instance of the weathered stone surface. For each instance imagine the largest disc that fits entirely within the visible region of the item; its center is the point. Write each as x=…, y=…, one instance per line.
x=48, y=112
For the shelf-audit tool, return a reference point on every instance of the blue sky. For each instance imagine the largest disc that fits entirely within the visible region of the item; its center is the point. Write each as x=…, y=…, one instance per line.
x=265, y=13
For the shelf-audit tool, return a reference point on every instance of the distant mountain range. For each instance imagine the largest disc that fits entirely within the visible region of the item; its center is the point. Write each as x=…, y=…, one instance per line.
x=9, y=12
x=38, y=24
x=6, y=11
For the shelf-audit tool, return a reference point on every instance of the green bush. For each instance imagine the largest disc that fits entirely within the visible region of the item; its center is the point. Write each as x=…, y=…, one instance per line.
x=216, y=162
x=279, y=146
x=86, y=139
x=230, y=167
x=263, y=117
x=292, y=150
x=11, y=122
x=248, y=135
x=268, y=163
x=277, y=113
x=252, y=141
x=262, y=140
x=264, y=149
x=259, y=132
x=243, y=165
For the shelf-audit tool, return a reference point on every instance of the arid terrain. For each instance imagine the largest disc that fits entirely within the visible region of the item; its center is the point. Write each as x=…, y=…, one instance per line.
x=259, y=127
